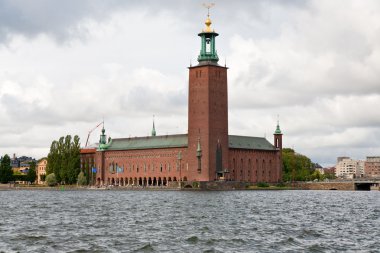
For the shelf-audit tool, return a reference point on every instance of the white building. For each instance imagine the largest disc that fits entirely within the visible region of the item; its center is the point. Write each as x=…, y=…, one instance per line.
x=349, y=168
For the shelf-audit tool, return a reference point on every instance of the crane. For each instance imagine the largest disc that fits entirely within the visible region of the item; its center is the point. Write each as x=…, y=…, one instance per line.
x=89, y=132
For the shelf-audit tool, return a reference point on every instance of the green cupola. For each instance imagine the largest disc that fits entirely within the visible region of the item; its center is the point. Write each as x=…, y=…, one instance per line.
x=103, y=144
x=208, y=51
x=278, y=130
x=103, y=137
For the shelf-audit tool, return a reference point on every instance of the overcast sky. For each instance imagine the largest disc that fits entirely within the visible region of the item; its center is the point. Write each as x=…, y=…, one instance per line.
x=64, y=65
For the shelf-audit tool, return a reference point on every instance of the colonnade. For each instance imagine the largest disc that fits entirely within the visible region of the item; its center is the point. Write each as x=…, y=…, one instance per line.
x=138, y=181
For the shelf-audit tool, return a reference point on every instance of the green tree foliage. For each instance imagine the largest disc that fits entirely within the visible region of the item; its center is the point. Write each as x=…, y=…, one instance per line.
x=64, y=159
x=20, y=177
x=82, y=180
x=51, y=179
x=6, y=173
x=296, y=167
x=316, y=175
x=31, y=176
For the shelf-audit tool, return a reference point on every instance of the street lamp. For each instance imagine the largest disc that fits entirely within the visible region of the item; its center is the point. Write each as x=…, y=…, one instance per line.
x=179, y=158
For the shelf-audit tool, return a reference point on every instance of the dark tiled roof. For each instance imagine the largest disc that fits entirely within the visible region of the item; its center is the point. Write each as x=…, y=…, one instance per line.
x=247, y=142
x=163, y=141
x=180, y=140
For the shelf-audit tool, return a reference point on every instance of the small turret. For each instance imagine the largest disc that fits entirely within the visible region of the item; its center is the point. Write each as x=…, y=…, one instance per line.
x=103, y=137
x=278, y=136
x=103, y=140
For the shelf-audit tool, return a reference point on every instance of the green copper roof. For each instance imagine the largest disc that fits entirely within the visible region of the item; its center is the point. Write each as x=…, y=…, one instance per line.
x=246, y=142
x=180, y=140
x=278, y=130
x=162, y=141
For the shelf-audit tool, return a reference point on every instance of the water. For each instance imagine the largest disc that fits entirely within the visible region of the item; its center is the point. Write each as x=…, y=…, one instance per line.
x=172, y=221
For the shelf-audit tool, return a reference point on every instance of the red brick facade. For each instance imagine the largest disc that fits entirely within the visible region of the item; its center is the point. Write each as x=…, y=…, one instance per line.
x=208, y=118
x=209, y=154
x=156, y=165
x=254, y=166
x=372, y=167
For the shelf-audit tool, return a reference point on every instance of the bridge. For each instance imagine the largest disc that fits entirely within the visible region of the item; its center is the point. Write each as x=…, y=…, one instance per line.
x=357, y=184
x=366, y=184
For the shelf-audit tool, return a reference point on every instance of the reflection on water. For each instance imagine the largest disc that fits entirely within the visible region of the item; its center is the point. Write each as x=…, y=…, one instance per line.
x=173, y=221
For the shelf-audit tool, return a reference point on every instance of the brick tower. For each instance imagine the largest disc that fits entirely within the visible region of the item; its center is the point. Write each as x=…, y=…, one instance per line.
x=208, y=112
x=278, y=145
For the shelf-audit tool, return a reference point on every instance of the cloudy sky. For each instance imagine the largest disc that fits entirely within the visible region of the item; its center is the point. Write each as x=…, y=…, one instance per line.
x=64, y=65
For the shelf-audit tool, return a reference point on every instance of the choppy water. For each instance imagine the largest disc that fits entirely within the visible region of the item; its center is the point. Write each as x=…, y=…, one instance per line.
x=172, y=221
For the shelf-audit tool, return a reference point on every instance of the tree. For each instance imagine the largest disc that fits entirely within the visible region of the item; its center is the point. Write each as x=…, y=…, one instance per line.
x=82, y=181
x=6, y=173
x=296, y=167
x=31, y=176
x=51, y=180
x=64, y=159
x=317, y=175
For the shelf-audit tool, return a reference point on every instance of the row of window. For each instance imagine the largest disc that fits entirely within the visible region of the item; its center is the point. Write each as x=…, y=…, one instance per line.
x=166, y=167
x=217, y=73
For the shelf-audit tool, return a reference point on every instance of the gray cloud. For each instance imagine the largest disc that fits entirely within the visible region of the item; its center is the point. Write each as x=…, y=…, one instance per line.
x=67, y=64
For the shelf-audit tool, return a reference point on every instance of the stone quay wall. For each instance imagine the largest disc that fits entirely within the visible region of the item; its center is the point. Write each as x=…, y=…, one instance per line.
x=341, y=186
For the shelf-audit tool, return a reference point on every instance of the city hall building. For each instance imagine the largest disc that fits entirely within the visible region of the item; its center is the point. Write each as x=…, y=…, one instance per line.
x=206, y=153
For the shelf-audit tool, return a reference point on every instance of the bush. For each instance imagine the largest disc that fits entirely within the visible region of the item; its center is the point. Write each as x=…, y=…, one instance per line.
x=82, y=180
x=51, y=180
x=20, y=177
x=262, y=184
x=282, y=184
x=195, y=184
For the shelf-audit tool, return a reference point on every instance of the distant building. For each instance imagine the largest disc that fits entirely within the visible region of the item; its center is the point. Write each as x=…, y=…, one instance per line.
x=41, y=170
x=341, y=158
x=329, y=171
x=348, y=168
x=22, y=161
x=23, y=169
x=372, y=166
x=321, y=170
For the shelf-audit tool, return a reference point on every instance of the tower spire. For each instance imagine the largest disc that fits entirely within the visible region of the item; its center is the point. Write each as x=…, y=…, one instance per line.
x=154, y=128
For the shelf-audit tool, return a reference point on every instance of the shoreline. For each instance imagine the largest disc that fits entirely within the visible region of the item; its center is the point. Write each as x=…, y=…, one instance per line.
x=208, y=186
x=8, y=187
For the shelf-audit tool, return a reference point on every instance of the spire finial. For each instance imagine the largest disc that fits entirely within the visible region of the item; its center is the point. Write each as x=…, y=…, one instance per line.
x=208, y=6
x=154, y=128
x=208, y=20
